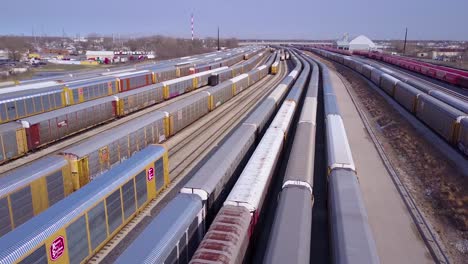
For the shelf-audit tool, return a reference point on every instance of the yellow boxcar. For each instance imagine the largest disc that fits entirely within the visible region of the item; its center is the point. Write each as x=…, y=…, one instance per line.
x=73, y=230
x=96, y=155
x=30, y=190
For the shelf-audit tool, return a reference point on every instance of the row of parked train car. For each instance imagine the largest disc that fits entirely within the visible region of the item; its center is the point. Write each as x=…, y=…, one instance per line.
x=450, y=75
x=30, y=133
x=68, y=179
x=177, y=231
x=446, y=74
x=31, y=99
x=444, y=114
x=174, y=235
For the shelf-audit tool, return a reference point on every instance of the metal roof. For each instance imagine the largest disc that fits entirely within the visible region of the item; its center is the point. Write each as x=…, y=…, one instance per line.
x=67, y=110
x=34, y=232
x=211, y=177
x=7, y=127
x=156, y=242
x=105, y=138
x=250, y=188
x=24, y=175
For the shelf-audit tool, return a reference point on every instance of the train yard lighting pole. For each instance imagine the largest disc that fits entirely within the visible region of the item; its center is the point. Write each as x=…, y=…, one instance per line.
x=404, y=45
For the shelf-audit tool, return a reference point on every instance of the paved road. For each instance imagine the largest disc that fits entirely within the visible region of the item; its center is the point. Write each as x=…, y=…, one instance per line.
x=395, y=234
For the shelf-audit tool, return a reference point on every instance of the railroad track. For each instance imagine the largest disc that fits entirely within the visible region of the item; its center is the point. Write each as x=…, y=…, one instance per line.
x=412, y=76
x=73, y=139
x=192, y=144
x=428, y=235
x=424, y=228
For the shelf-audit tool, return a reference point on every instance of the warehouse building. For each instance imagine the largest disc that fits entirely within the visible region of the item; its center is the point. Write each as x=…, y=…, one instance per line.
x=100, y=55
x=361, y=43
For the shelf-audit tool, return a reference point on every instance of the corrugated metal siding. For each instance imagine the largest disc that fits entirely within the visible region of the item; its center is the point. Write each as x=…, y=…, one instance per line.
x=406, y=95
x=5, y=222
x=21, y=205
x=78, y=237
x=55, y=187
x=388, y=83
x=39, y=256
x=156, y=243
x=24, y=175
x=463, y=136
x=114, y=211
x=217, y=171
x=159, y=171
x=141, y=190
x=33, y=233
x=187, y=110
x=221, y=93
x=8, y=140
x=438, y=115
x=97, y=225
x=262, y=114
x=128, y=194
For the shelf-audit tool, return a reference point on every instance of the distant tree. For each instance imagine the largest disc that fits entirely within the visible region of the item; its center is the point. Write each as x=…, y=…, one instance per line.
x=16, y=46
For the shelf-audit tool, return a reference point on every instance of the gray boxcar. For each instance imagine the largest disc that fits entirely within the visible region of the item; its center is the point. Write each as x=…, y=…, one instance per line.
x=367, y=71
x=441, y=117
x=210, y=182
x=134, y=100
x=351, y=236
x=99, y=153
x=301, y=162
x=31, y=102
x=240, y=83
x=261, y=115
x=388, y=83
x=186, y=111
x=51, y=126
x=463, y=136
x=220, y=94
x=376, y=75
x=86, y=90
x=290, y=236
x=450, y=100
x=407, y=96
x=13, y=141
x=172, y=237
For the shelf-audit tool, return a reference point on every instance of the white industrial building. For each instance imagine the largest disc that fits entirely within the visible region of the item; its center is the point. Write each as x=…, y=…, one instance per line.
x=99, y=55
x=359, y=43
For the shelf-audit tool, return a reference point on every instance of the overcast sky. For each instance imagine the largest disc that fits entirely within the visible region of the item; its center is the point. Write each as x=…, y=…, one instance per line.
x=263, y=19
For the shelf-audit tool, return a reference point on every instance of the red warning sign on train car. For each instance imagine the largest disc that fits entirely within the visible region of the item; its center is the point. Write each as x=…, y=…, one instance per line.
x=57, y=248
x=150, y=174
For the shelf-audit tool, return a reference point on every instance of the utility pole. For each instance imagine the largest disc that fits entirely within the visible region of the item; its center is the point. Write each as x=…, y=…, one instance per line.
x=404, y=45
x=219, y=48
x=191, y=22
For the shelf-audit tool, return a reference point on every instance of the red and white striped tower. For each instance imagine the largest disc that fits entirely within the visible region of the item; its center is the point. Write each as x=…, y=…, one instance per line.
x=192, y=26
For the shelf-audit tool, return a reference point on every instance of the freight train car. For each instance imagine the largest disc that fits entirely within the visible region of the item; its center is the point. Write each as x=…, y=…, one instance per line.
x=73, y=229
x=439, y=111
x=97, y=155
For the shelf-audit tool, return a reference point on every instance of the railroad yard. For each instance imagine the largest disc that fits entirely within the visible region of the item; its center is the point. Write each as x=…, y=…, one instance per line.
x=268, y=153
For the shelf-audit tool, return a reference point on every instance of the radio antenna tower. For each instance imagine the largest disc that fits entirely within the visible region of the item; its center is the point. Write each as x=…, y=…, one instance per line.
x=192, y=26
